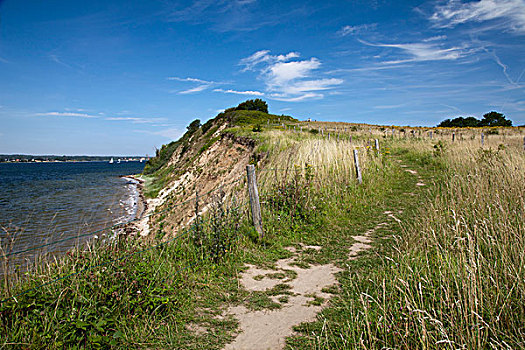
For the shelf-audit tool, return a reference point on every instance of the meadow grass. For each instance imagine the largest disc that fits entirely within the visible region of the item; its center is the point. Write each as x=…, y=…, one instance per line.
x=450, y=276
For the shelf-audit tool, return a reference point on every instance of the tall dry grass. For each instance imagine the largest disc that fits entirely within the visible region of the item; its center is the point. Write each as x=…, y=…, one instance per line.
x=332, y=159
x=473, y=240
x=458, y=278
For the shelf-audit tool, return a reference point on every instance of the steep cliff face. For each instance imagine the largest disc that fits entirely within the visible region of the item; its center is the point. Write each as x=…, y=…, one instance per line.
x=206, y=158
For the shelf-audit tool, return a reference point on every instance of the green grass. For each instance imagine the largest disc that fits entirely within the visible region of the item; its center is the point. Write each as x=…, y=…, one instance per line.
x=412, y=290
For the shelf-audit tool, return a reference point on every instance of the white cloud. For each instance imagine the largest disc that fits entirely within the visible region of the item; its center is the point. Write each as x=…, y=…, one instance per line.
x=193, y=80
x=287, y=98
x=263, y=56
x=137, y=120
x=66, y=114
x=287, y=79
x=312, y=85
x=510, y=14
x=424, y=51
x=351, y=30
x=248, y=92
x=435, y=38
x=282, y=73
x=195, y=89
x=204, y=84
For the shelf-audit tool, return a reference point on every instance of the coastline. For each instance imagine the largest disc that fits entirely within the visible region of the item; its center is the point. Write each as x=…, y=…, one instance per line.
x=136, y=225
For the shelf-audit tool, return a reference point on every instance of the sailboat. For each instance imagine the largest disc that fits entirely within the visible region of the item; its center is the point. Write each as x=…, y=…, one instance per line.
x=111, y=161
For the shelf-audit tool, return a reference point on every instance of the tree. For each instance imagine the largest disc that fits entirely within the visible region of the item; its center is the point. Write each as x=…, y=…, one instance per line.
x=489, y=119
x=253, y=105
x=194, y=126
x=459, y=122
x=494, y=119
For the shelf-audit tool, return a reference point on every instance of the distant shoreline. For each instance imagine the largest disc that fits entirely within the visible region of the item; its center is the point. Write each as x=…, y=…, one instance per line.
x=64, y=161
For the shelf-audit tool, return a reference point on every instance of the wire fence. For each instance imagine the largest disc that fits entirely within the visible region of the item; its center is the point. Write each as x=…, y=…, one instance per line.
x=193, y=227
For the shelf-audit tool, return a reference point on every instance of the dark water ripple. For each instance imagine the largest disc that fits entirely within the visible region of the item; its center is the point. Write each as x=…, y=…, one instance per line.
x=44, y=202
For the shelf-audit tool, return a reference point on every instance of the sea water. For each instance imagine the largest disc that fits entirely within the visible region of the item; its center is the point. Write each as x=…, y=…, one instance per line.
x=42, y=203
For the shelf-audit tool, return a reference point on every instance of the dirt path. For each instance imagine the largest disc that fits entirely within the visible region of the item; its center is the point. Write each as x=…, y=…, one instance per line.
x=268, y=329
x=303, y=298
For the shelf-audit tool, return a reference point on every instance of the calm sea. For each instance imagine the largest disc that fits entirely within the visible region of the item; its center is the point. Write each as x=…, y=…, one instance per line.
x=45, y=202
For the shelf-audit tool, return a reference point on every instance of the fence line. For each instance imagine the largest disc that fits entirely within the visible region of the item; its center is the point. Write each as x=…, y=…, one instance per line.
x=256, y=218
x=121, y=223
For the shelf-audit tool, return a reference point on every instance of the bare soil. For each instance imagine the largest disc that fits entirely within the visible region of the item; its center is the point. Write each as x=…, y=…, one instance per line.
x=268, y=329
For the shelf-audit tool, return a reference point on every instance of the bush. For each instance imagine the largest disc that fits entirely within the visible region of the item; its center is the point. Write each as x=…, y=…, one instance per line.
x=253, y=105
x=489, y=119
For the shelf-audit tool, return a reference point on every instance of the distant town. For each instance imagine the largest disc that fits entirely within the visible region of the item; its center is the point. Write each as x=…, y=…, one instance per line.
x=24, y=158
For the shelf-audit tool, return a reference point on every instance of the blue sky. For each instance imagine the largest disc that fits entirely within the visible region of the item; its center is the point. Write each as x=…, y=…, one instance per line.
x=123, y=77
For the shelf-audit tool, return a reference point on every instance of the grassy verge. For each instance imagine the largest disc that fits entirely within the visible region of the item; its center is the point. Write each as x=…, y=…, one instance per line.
x=450, y=276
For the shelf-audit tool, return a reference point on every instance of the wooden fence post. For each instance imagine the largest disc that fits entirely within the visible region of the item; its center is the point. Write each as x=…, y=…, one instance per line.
x=453, y=136
x=254, y=200
x=482, y=139
x=357, y=168
x=197, y=233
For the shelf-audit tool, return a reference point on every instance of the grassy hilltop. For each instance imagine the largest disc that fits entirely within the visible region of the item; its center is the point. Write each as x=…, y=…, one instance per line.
x=439, y=225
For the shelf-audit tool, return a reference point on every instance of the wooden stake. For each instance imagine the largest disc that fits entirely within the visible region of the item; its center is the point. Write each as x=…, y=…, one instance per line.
x=254, y=200
x=357, y=168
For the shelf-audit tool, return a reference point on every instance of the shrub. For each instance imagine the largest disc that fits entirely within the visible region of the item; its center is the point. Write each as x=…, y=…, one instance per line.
x=253, y=105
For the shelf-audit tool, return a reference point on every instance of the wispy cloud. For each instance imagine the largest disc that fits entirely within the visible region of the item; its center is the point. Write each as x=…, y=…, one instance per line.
x=509, y=14
x=76, y=113
x=247, y=92
x=137, y=120
x=352, y=30
x=287, y=78
x=424, y=51
x=56, y=59
x=66, y=114
x=263, y=56
x=195, y=89
x=390, y=106
x=234, y=15
x=3, y=60
x=203, y=84
x=193, y=80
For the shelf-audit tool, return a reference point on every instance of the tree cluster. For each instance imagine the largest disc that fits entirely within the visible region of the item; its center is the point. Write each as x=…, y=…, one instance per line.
x=489, y=119
x=253, y=105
